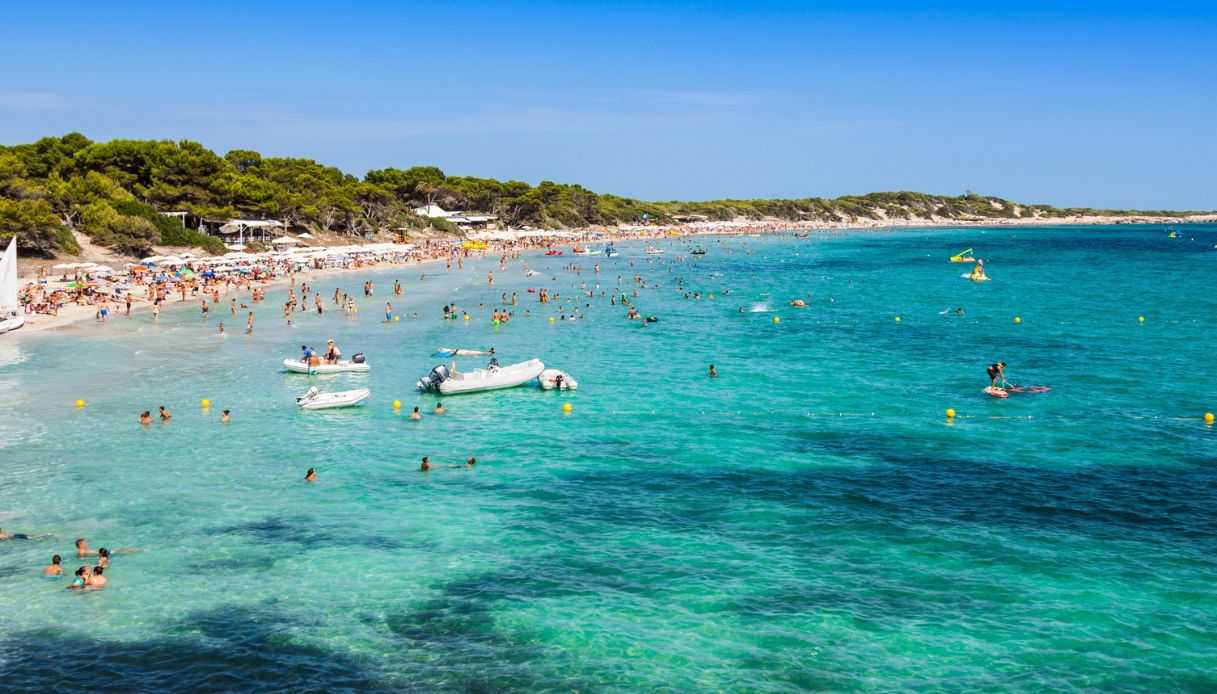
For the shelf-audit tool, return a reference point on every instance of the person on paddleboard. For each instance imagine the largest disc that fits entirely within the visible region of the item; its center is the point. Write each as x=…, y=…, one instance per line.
x=995, y=372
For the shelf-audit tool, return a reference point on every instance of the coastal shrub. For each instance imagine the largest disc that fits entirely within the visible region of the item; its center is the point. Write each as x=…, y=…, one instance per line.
x=170, y=231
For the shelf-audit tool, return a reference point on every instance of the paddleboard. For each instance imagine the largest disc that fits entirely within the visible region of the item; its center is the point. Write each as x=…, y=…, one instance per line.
x=996, y=392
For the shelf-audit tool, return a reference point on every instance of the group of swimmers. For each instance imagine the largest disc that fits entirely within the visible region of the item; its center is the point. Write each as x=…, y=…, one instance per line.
x=145, y=417
x=87, y=577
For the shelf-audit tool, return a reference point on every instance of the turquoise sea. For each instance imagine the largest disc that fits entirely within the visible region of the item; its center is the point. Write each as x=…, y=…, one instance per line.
x=808, y=520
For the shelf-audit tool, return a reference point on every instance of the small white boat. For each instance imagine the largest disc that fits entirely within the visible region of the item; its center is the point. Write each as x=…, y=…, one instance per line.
x=553, y=379
x=589, y=251
x=316, y=400
x=651, y=250
x=493, y=377
x=10, y=308
x=300, y=367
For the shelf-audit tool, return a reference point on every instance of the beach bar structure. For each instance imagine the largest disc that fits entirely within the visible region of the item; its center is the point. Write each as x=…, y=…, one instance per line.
x=242, y=229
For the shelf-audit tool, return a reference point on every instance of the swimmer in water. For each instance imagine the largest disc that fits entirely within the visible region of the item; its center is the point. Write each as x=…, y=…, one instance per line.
x=425, y=466
x=415, y=414
x=145, y=418
x=82, y=577
x=713, y=372
x=471, y=462
x=224, y=416
x=20, y=536
x=54, y=569
x=311, y=475
x=995, y=372
x=439, y=408
x=96, y=581
x=165, y=416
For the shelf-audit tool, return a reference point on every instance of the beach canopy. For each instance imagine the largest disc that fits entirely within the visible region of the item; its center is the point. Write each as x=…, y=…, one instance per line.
x=285, y=241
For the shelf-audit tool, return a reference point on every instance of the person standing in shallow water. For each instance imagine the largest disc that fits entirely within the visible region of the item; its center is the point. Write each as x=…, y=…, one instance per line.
x=311, y=475
x=425, y=466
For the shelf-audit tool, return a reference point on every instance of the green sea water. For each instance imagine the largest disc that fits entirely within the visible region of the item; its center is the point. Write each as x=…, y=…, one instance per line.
x=808, y=520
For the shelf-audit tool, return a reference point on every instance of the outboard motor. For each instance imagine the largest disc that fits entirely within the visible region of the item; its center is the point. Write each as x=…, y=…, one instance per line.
x=357, y=358
x=432, y=380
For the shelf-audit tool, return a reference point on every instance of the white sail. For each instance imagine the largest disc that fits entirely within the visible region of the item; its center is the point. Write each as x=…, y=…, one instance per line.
x=8, y=277
x=10, y=311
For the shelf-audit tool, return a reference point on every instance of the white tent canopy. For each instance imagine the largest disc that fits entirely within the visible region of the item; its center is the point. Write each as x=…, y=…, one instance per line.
x=237, y=225
x=286, y=241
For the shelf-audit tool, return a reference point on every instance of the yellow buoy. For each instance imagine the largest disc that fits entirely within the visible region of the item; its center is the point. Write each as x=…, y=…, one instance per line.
x=80, y=403
x=1140, y=319
x=567, y=408
x=551, y=319
x=466, y=316
x=356, y=309
x=206, y=403
x=897, y=319
x=1208, y=418
x=950, y=413
x=396, y=318
x=397, y=404
x=1018, y=320
x=777, y=319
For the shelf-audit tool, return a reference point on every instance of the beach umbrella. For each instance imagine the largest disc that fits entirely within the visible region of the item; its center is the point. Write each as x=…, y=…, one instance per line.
x=151, y=260
x=285, y=241
x=139, y=268
x=63, y=266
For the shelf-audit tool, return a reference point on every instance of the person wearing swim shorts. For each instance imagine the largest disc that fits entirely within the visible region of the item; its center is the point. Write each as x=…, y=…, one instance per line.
x=20, y=536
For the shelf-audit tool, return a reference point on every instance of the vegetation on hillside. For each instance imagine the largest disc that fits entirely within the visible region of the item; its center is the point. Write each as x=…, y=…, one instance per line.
x=115, y=191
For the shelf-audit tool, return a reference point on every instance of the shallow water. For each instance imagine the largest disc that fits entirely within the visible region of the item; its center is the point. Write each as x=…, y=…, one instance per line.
x=807, y=520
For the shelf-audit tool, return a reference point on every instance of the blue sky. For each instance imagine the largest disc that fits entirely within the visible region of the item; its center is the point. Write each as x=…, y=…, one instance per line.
x=1105, y=105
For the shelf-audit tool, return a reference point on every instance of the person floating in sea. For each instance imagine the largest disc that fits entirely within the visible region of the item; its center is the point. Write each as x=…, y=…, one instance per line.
x=20, y=536
x=439, y=408
x=995, y=372
x=165, y=416
x=224, y=417
x=311, y=475
x=145, y=418
x=415, y=414
x=713, y=371
x=471, y=462
x=426, y=465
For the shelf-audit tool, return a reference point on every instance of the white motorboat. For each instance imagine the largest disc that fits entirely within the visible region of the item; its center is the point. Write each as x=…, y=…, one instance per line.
x=651, y=250
x=493, y=377
x=10, y=309
x=314, y=399
x=589, y=251
x=553, y=379
x=301, y=367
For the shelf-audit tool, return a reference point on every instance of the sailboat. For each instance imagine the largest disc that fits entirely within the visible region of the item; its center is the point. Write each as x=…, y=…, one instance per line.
x=10, y=310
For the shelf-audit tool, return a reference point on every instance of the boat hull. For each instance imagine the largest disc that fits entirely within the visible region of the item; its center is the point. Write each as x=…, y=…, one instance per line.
x=330, y=401
x=481, y=379
x=299, y=367
x=11, y=324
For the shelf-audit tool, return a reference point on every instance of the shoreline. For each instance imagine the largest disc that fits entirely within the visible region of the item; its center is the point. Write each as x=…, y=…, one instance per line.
x=76, y=314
